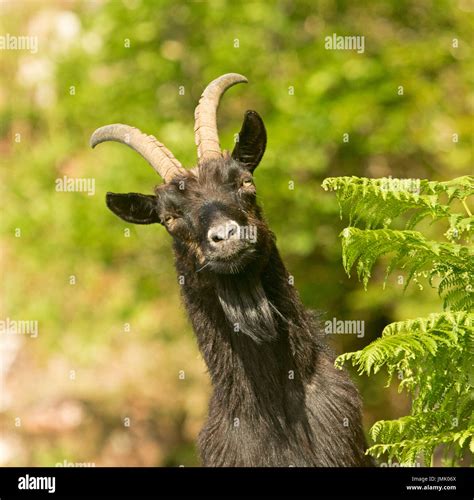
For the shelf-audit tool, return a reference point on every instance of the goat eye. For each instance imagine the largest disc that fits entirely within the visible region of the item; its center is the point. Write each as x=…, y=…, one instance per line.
x=247, y=182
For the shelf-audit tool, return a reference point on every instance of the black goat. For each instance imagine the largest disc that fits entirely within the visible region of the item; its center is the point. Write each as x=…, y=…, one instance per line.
x=277, y=398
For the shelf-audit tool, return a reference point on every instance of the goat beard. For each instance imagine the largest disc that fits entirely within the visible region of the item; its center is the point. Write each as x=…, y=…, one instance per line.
x=247, y=307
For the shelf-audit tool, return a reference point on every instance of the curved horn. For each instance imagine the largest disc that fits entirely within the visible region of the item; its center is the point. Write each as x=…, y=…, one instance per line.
x=155, y=153
x=205, y=124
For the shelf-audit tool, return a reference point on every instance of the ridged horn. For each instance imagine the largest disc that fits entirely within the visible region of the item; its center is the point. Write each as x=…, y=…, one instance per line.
x=155, y=153
x=205, y=122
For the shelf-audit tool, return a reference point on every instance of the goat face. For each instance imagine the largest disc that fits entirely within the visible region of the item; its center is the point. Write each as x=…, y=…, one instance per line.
x=212, y=213
x=210, y=210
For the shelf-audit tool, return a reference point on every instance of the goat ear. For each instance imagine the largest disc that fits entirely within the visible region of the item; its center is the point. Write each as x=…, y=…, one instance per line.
x=133, y=207
x=252, y=141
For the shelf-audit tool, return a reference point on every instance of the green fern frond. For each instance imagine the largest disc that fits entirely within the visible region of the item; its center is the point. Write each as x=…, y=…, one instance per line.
x=413, y=253
x=433, y=357
x=377, y=202
x=407, y=451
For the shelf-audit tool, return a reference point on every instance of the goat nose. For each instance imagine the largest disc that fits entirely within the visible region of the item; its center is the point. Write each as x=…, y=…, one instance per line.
x=223, y=232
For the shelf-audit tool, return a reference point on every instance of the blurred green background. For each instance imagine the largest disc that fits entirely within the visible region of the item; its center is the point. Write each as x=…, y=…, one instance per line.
x=101, y=382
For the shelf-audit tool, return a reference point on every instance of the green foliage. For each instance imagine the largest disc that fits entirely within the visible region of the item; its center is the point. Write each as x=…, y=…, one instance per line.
x=433, y=356
x=379, y=202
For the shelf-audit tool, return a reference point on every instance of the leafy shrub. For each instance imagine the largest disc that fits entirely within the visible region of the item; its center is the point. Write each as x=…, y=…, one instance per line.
x=431, y=356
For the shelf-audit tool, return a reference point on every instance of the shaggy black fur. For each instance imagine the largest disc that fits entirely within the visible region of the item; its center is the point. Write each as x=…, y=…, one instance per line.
x=277, y=398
